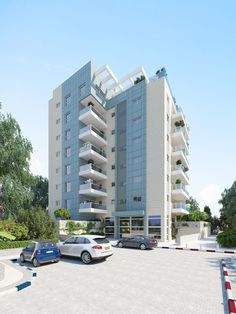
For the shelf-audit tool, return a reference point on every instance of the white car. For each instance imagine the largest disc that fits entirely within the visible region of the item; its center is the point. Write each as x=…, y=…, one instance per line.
x=87, y=247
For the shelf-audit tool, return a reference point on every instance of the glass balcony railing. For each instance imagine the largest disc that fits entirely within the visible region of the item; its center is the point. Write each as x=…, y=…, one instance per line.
x=180, y=167
x=181, y=205
x=94, y=148
x=89, y=167
x=180, y=187
x=89, y=186
x=91, y=108
x=88, y=205
x=92, y=128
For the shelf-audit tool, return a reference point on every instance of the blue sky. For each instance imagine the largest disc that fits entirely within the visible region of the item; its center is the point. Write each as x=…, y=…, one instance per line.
x=44, y=42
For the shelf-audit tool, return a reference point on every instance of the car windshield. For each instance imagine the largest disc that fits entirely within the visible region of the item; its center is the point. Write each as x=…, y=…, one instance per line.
x=46, y=245
x=101, y=240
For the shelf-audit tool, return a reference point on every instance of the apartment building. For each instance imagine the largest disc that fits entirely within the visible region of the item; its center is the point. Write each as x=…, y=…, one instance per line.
x=118, y=151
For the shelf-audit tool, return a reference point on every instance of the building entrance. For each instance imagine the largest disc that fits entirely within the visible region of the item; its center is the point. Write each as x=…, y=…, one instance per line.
x=131, y=226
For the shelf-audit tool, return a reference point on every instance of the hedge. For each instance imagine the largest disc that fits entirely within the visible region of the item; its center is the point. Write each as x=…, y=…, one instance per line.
x=227, y=238
x=13, y=244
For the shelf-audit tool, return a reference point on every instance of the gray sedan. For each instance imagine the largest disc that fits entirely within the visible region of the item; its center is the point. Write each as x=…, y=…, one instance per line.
x=140, y=242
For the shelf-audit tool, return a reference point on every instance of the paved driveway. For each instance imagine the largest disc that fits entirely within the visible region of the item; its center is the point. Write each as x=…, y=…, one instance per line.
x=131, y=281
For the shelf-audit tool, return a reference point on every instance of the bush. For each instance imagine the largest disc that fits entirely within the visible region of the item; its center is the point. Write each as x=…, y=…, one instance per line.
x=62, y=213
x=18, y=230
x=13, y=244
x=227, y=238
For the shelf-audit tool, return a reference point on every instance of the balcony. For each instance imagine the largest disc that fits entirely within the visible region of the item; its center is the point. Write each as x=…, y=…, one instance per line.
x=179, y=115
x=178, y=172
x=180, y=209
x=90, y=115
x=92, y=172
x=178, y=138
x=92, y=190
x=179, y=192
x=93, y=208
x=92, y=135
x=179, y=152
x=92, y=152
x=94, y=100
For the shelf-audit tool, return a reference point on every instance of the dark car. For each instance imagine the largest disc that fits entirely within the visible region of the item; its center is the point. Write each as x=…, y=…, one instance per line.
x=39, y=252
x=140, y=242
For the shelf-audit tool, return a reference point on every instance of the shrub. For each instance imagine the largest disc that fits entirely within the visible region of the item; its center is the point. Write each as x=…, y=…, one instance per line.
x=178, y=162
x=18, y=230
x=12, y=244
x=227, y=238
x=178, y=181
x=62, y=213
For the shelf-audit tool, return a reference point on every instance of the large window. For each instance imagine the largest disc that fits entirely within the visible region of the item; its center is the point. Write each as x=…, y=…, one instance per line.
x=154, y=226
x=131, y=226
x=110, y=227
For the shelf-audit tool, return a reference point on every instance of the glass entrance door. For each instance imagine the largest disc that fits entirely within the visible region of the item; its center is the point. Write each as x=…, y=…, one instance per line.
x=131, y=226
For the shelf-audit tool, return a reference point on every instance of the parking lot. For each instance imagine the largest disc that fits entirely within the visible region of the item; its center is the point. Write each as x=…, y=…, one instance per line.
x=131, y=281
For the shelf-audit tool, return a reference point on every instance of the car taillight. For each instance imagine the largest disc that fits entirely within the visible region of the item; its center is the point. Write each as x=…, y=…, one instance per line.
x=97, y=247
x=38, y=252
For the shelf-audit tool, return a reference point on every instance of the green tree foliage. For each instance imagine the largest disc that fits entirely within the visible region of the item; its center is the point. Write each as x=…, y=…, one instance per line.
x=195, y=215
x=227, y=238
x=62, y=213
x=193, y=204
x=19, y=231
x=39, y=223
x=40, y=192
x=208, y=211
x=228, y=210
x=15, y=177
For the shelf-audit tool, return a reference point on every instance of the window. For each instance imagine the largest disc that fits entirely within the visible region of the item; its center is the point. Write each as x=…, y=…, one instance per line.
x=57, y=170
x=167, y=157
x=167, y=137
x=67, y=135
x=58, y=154
x=58, y=105
x=113, y=202
x=137, y=100
x=71, y=240
x=67, y=186
x=122, y=148
x=113, y=149
x=137, y=159
x=113, y=184
x=113, y=114
x=82, y=89
x=137, y=179
x=67, y=117
x=67, y=100
x=123, y=166
x=68, y=204
x=123, y=201
x=67, y=169
x=154, y=226
x=137, y=198
x=167, y=117
x=57, y=186
x=113, y=132
x=113, y=167
x=81, y=240
x=58, y=137
x=67, y=152
x=110, y=227
x=137, y=139
x=58, y=121
x=57, y=203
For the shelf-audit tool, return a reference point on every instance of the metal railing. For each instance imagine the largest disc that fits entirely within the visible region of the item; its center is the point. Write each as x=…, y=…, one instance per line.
x=94, y=148
x=180, y=187
x=88, y=186
x=92, y=205
x=92, y=128
x=92, y=167
x=91, y=108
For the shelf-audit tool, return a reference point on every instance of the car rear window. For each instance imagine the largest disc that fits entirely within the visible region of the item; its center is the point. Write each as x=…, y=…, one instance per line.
x=46, y=245
x=101, y=240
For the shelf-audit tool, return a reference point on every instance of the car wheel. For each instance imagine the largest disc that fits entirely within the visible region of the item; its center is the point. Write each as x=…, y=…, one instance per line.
x=120, y=244
x=35, y=262
x=86, y=258
x=143, y=246
x=22, y=258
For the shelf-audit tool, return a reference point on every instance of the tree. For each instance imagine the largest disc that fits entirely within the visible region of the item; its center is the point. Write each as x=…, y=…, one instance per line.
x=62, y=213
x=208, y=211
x=11, y=226
x=228, y=210
x=195, y=215
x=193, y=204
x=40, y=192
x=39, y=223
x=15, y=177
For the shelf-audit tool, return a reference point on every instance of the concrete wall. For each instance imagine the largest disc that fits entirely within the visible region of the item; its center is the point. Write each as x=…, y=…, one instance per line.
x=192, y=228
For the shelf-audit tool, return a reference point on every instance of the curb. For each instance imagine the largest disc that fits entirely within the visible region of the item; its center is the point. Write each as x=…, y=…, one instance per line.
x=194, y=249
x=230, y=298
x=23, y=285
